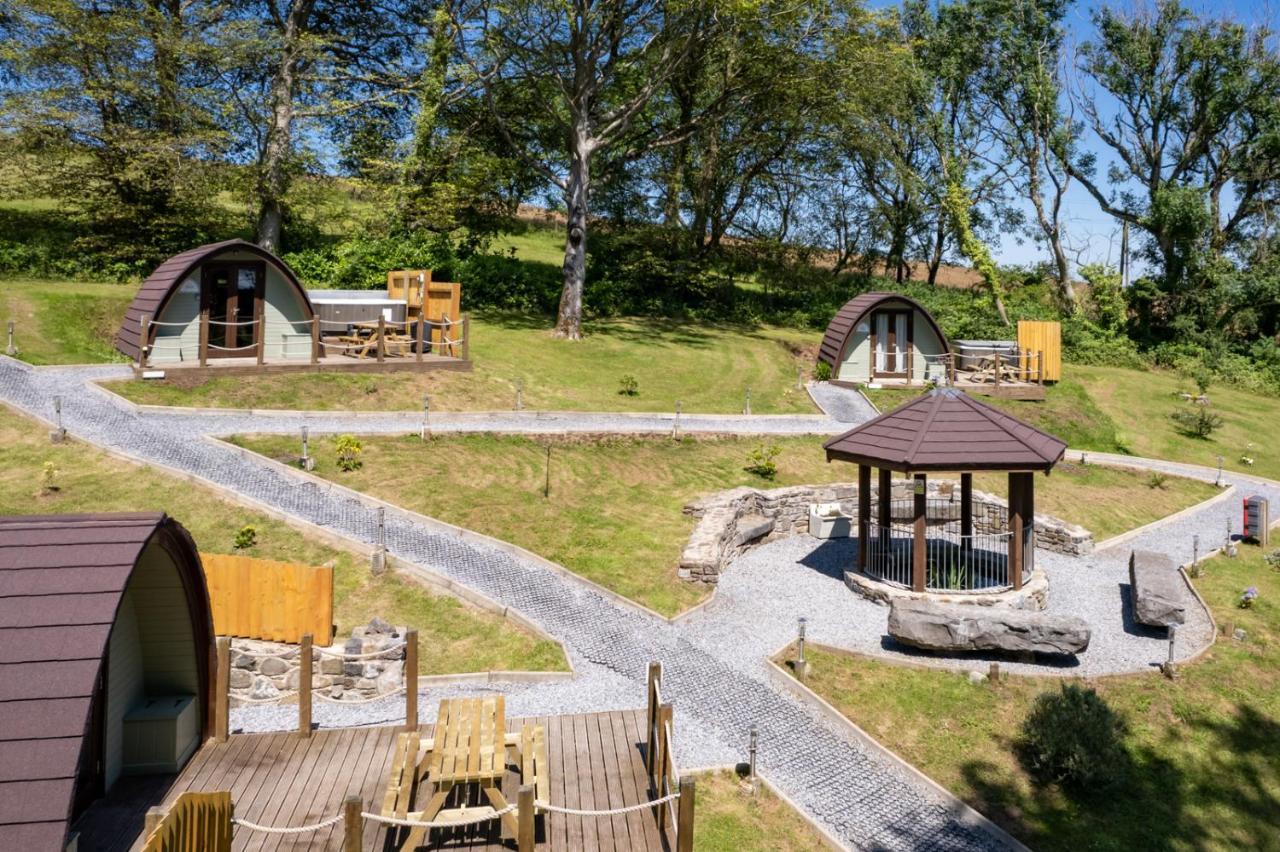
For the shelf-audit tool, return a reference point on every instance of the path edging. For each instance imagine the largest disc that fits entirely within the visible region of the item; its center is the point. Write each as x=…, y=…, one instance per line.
x=956, y=808
x=824, y=833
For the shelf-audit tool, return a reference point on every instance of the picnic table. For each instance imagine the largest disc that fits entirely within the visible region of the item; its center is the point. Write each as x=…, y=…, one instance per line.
x=1008, y=370
x=368, y=336
x=468, y=748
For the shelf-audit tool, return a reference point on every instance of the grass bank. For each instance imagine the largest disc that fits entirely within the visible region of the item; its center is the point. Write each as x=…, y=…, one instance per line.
x=614, y=510
x=706, y=368
x=1202, y=753
x=63, y=322
x=455, y=638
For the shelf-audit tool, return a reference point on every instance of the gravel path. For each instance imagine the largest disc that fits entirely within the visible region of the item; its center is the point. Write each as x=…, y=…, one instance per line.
x=843, y=404
x=854, y=792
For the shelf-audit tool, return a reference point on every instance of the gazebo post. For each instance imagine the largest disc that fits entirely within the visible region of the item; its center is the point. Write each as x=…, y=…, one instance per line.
x=919, y=548
x=864, y=514
x=1016, y=508
x=884, y=516
x=1028, y=522
x=966, y=510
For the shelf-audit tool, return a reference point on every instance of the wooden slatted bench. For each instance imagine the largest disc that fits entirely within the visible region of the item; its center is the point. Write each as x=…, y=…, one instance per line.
x=402, y=779
x=534, y=768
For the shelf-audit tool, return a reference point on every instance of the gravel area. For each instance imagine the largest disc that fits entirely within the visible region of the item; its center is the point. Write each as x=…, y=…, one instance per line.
x=843, y=404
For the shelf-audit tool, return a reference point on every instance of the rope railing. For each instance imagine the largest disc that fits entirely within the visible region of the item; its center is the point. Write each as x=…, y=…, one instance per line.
x=368, y=655
x=225, y=323
x=330, y=699
x=246, y=700
x=299, y=829
x=481, y=816
x=626, y=809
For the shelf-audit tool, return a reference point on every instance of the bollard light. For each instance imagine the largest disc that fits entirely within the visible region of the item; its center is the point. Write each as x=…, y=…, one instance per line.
x=747, y=408
x=57, y=412
x=382, y=528
x=752, y=748
x=800, y=641
x=1084, y=459
x=519, y=394
x=11, y=349
x=1173, y=642
x=305, y=451
x=675, y=430
x=1219, y=482
x=799, y=378
x=1195, y=551
x=426, y=411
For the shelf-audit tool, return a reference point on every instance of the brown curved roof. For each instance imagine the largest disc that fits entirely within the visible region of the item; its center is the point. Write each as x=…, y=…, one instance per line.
x=846, y=319
x=160, y=284
x=946, y=429
x=61, y=581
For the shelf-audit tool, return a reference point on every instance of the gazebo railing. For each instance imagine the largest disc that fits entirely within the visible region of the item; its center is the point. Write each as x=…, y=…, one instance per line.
x=953, y=562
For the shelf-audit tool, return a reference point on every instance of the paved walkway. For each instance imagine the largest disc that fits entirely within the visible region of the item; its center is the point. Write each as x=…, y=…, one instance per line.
x=713, y=661
x=843, y=404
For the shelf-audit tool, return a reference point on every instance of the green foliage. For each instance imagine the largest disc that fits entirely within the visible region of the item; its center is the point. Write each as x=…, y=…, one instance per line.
x=246, y=537
x=628, y=385
x=1073, y=738
x=362, y=263
x=762, y=461
x=1196, y=421
x=822, y=371
x=1156, y=479
x=348, y=449
x=49, y=478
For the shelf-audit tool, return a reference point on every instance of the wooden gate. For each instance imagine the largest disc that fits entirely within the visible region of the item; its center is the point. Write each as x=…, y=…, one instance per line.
x=196, y=822
x=263, y=599
x=1046, y=339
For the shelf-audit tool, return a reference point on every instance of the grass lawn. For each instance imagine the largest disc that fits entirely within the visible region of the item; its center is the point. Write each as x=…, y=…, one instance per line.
x=729, y=819
x=708, y=368
x=63, y=323
x=455, y=638
x=614, y=512
x=1203, y=752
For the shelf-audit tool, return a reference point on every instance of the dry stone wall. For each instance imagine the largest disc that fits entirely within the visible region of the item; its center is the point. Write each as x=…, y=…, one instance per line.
x=731, y=522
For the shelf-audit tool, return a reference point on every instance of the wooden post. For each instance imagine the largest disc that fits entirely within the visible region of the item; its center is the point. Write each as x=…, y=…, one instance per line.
x=864, y=514
x=663, y=769
x=421, y=326
x=204, y=337
x=997, y=371
x=1015, y=530
x=920, y=546
x=143, y=342
x=684, y=815
x=466, y=337
x=315, y=340
x=155, y=816
x=352, y=824
x=524, y=819
x=651, y=716
x=222, y=690
x=304, y=686
x=951, y=368
x=382, y=340
x=411, y=680
x=966, y=508
x=1029, y=520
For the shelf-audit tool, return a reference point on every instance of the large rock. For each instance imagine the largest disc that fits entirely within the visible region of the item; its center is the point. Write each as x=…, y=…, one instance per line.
x=1159, y=594
x=952, y=627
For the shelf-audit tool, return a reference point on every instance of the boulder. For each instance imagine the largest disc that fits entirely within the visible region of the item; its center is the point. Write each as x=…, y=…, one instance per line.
x=272, y=666
x=953, y=627
x=752, y=527
x=263, y=690
x=1158, y=592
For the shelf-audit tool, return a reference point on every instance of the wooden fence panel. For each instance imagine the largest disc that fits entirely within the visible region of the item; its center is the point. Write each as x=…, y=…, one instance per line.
x=197, y=822
x=263, y=599
x=1046, y=338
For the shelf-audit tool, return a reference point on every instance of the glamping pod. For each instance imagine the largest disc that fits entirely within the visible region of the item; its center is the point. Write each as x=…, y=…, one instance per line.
x=222, y=300
x=886, y=336
x=107, y=642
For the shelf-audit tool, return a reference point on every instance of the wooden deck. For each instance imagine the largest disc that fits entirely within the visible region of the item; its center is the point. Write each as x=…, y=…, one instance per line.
x=334, y=363
x=597, y=762
x=1005, y=390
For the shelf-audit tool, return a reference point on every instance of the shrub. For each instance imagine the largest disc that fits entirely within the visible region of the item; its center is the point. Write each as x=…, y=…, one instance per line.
x=1248, y=597
x=1273, y=560
x=1157, y=480
x=822, y=371
x=48, y=478
x=1197, y=422
x=1073, y=738
x=348, y=449
x=761, y=461
x=246, y=537
x=629, y=385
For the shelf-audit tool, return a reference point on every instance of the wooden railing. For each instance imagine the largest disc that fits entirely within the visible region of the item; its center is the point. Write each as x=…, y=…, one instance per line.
x=195, y=822
x=664, y=777
x=263, y=599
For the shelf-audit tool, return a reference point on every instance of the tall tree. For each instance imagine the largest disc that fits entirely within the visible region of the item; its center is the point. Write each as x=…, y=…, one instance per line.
x=597, y=65
x=1194, y=118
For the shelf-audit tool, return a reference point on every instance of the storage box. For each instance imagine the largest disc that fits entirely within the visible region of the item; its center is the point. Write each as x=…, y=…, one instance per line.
x=160, y=734
x=827, y=521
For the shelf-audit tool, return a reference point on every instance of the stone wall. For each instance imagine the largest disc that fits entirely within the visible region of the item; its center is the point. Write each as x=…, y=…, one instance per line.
x=262, y=671
x=731, y=522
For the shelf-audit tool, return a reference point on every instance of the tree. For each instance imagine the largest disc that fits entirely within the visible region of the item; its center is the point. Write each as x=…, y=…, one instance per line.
x=595, y=65
x=1195, y=117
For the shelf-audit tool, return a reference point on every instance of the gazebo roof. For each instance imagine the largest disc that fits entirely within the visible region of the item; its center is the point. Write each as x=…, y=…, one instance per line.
x=947, y=430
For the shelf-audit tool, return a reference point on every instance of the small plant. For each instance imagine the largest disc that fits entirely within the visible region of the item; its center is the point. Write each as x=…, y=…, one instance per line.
x=1246, y=458
x=49, y=478
x=629, y=385
x=1073, y=738
x=1273, y=560
x=1198, y=422
x=761, y=461
x=369, y=386
x=246, y=537
x=348, y=448
x=1157, y=480
x=1248, y=597
x=822, y=371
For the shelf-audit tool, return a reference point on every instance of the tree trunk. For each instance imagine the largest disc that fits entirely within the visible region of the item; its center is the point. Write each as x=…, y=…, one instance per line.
x=569, y=319
x=935, y=257
x=273, y=179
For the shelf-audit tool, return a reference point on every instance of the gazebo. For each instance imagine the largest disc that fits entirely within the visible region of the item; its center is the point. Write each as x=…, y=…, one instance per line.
x=926, y=544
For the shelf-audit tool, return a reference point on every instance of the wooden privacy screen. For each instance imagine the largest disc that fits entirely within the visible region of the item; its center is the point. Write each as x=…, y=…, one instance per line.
x=196, y=822
x=415, y=286
x=261, y=599
x=1045, y=338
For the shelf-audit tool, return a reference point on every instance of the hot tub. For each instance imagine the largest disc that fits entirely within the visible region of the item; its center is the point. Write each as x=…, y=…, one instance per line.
x=337, y=308
x=969, y=353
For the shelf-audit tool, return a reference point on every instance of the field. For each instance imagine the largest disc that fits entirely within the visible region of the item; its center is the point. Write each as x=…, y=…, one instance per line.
x=613, y=513
x=455, y=638
x=707, y=368
x=1202, y=766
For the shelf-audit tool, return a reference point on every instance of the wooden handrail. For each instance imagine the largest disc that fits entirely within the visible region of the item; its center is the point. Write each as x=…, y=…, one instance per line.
x=411, y=680
x=304, y=686
x=222, y=690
